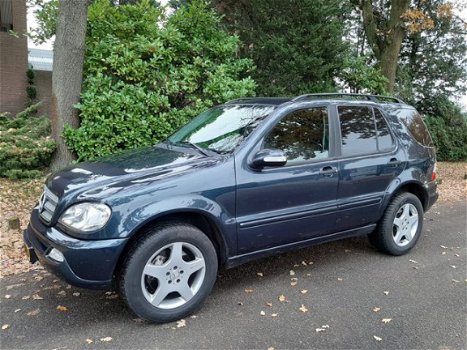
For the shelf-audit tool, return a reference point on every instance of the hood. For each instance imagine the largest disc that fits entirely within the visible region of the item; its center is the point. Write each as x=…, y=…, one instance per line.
x=133, y=164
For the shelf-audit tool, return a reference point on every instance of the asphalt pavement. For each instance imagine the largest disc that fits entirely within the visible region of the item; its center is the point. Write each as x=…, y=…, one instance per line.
x=337, y=295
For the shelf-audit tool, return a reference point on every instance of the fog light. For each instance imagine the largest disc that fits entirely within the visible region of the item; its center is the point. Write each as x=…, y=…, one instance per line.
x=56, y=255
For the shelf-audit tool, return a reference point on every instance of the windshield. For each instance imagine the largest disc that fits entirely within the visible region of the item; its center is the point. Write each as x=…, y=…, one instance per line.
x=222, y=128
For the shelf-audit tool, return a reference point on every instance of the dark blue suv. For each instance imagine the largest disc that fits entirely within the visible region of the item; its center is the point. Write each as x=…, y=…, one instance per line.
x=241, y=181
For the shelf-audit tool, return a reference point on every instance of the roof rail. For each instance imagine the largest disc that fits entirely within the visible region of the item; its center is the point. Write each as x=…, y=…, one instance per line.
x=237, y=100
x=374, y=98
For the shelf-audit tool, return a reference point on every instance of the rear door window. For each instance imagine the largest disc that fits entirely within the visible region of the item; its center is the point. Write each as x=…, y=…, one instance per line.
x=385, y=141
x=358, y=130
x=363, y=131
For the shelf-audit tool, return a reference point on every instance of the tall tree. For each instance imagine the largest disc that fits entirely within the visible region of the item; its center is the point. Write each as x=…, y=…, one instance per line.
x=296, y=45
x=67, y=73
x=433, y=62
x=383, y=22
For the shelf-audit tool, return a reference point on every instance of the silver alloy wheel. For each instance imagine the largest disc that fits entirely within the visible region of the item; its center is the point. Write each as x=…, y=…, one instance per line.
x=405, y=225
x=173, y=275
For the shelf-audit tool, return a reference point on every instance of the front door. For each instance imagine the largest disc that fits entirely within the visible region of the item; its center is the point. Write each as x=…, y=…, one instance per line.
x=295, y=202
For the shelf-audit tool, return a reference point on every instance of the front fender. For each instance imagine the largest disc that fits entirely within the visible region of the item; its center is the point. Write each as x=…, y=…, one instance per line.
x=134, y=220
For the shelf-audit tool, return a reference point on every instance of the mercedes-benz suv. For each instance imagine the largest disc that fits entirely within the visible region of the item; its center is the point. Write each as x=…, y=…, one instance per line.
x=241, y=181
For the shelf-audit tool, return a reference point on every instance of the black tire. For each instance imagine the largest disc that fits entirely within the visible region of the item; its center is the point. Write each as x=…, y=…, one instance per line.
x=385, y=236
x=132, y=281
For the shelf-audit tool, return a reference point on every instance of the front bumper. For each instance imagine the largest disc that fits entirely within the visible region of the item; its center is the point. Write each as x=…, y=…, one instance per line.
x=87, y=263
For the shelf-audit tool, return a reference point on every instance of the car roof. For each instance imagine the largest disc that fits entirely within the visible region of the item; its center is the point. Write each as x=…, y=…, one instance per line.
x=348, y=97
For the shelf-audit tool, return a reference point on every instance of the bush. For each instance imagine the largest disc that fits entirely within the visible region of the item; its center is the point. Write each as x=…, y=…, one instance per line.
x=448, y=127
x=147, y=74
x=25, y=146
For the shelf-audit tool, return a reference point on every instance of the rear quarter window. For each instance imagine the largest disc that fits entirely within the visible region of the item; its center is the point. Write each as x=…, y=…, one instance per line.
x=415, y=125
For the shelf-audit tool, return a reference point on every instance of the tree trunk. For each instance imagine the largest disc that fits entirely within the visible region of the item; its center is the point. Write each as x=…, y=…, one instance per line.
x=67, y=74
x=385, y=36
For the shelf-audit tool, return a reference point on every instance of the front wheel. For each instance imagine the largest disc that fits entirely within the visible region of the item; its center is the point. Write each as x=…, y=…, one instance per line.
x=401, y=225
x=168, y=272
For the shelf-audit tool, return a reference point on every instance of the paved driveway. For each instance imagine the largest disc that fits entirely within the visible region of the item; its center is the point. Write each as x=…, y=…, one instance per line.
x=344, y=290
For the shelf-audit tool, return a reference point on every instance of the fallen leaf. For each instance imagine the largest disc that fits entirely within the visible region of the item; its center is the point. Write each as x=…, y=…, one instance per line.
x=304, y=291
x=249, y=290
x=192, y=316
x=260, y=274
x=386, y=320
x=304, y=263
x=269, y=304
x=33, y=312
x=282, y=298
x=181, y=323
x=62, y=293
x=320, y=329
x=7, y=296
x=376, y=309
x=61, y=308
x=455, y=281
x=76, y=294
x=377, y=338
x=413, y=261
x=386, y=292
x=262, y=313
x=273, y=315
x=325, y=326
x=106, y=339
x=17, y=310
x=38, y=278
x=339, y=279
x=292, y=273
x=293, y=283
x=303, y=308
x=89, y=341
x=37, y=297
x=443, y=246
x=5, y=326
x=26, y=297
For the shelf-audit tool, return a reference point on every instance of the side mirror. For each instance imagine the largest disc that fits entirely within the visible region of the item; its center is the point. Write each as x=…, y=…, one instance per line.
x=269, y=157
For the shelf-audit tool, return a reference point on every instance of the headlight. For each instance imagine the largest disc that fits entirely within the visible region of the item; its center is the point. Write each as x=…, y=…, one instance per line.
x=86, y=216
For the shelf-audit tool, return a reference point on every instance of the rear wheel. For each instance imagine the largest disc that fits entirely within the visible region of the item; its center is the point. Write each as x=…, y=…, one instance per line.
x=401, y=225
x=168, y=272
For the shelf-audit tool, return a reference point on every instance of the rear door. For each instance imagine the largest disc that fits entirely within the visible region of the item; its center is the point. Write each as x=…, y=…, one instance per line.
x=295, y=202
x=369, y=161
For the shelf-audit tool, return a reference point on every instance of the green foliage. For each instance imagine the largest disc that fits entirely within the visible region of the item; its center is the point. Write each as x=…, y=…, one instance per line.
x=448, y=128
x=147, y=74
x=296, y=45
x=31, y=92
x=25, y=145
x=433, y=62
x=360, y=76
x=46, y=17
x=30, y=75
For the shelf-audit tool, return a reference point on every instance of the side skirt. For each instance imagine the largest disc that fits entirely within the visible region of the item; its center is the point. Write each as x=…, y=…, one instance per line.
x=241, y=259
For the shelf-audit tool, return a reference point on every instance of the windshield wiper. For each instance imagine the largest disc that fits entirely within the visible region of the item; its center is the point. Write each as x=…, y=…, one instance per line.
x=194, y=145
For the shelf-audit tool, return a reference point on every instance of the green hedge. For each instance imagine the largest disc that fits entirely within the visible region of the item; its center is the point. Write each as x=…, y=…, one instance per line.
x=25, y=145
x=147, y=74
x=450, y=138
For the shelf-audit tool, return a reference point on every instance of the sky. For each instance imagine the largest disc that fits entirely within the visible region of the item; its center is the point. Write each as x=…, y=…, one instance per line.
x=32, y=23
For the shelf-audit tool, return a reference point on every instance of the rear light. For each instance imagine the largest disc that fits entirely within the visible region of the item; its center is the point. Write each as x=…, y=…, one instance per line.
x=433, y=174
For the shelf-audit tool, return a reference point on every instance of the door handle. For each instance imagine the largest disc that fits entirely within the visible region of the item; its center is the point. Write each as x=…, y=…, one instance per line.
x=328, y=171
x=394, y=162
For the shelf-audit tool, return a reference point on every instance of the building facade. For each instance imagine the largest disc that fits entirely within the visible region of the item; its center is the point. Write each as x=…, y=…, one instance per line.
x=13, y=56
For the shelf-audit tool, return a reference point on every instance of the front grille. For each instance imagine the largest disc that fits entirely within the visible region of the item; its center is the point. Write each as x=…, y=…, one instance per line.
x=47, y=205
